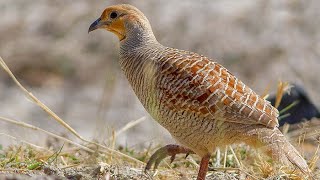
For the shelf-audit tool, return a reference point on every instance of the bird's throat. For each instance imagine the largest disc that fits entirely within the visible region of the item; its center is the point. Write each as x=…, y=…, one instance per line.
x=120, y=35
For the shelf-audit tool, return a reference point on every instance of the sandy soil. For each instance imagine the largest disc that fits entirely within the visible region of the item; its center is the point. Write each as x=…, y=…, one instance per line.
x=99, y=172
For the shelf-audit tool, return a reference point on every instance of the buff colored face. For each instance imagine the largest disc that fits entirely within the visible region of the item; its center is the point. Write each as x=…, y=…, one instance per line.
x=112, y=19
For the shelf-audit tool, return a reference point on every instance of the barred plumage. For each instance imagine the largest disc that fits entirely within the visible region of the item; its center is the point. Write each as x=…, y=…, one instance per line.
x=197, y=100
x=213, y=89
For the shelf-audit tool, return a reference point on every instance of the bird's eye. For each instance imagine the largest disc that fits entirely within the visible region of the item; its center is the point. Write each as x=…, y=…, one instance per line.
x=113, y=15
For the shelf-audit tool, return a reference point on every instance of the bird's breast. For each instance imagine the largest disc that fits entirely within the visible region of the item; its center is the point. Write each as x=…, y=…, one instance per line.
x=141, y=74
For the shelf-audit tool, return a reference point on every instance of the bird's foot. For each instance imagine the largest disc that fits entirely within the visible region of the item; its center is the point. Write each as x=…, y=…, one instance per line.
x=168, y=150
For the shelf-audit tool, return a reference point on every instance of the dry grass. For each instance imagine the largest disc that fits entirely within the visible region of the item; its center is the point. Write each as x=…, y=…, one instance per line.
x=89, y=159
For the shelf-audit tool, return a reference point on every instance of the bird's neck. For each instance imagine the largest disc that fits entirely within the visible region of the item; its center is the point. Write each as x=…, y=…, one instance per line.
x=138, y=54
x=138, y=60
x=138, y=36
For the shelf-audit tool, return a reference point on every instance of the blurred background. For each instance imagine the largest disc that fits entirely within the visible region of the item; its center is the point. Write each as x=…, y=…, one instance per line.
x=46, y=45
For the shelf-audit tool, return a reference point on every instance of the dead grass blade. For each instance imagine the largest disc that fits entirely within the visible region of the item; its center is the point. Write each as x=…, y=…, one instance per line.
x=248, y=174
x=193, y=162
x=282, y=87
x=29, y=126
x=57, y=118
x=225, y=157
x=25, y=142
x=235, y=157
x=38, y=102
x=265, y=93
x=314, y=159
x=128, y=126
x=309, y=133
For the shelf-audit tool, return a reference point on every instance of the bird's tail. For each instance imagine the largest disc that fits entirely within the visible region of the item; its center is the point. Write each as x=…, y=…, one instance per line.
x=279, y=148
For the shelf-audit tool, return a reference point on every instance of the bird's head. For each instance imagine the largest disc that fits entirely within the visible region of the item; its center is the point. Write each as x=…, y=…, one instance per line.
x=120, y=19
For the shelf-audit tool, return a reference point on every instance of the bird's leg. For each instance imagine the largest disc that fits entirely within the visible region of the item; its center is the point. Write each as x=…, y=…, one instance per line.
x=168, y=150
x=203, y=167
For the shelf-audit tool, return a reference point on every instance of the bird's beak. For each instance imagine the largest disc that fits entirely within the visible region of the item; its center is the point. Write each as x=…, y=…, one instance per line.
x=95, y=25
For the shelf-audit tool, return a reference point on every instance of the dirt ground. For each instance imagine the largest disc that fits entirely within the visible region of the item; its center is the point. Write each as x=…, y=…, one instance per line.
x=105, y=173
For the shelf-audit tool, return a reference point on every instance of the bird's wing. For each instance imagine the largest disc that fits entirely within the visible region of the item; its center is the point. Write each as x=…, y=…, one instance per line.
x=192, y=82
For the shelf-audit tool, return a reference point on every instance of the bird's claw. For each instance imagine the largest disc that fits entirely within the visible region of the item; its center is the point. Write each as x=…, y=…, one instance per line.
x=168, y=150
x=172, y=158
x=187, y=154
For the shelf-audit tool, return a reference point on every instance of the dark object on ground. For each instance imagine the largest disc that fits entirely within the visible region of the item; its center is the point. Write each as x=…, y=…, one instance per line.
x=304, y=109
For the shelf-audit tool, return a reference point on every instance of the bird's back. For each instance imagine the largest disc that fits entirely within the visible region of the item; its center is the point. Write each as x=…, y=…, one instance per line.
x=184, y=81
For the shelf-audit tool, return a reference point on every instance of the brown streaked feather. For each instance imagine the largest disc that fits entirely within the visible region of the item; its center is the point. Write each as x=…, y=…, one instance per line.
x=197, y=84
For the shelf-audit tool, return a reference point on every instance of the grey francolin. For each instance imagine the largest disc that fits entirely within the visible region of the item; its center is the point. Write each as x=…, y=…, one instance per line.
x=197, y=100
